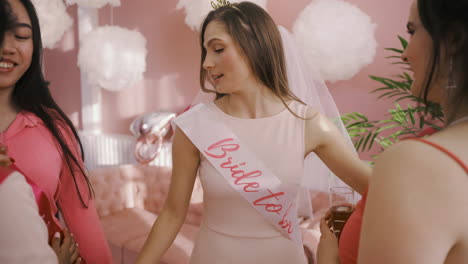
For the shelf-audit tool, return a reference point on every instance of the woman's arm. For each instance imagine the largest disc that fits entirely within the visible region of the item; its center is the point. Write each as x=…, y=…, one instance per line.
x=82, y=222
x=186, y=160
x=324, y=138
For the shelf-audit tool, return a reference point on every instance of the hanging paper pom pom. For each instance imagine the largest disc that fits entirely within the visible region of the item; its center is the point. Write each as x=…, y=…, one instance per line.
x=337, y=37
x=196, y=10
x=113, y=57
x=93, y=3
x=53, y=19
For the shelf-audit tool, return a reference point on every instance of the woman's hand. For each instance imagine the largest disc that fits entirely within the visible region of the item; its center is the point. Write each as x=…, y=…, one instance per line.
x=327, y=251
x=67, y=249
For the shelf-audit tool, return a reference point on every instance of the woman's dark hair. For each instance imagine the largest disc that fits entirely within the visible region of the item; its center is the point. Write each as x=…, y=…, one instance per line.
x=6, y=19
x=31, y=94
x=446, y=21
x=255, y=32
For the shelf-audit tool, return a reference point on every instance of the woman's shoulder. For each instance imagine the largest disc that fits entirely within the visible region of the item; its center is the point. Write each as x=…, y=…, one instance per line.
x=442, y=146
x=412, y=162
x=309, y=111
x=28, y=124
x=405, y=154
x=34, y=119
x=63, y=128
x=29, y=119
x=315, y=121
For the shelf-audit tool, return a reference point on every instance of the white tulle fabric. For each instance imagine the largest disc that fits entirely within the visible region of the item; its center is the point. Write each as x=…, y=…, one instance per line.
x=305, y=83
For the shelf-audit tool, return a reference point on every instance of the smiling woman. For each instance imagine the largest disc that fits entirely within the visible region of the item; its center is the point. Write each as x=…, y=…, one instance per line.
x=42, y=140
x=17, y=51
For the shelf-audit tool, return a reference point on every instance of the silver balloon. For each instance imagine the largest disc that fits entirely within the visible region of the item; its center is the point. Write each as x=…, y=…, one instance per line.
x=150, y=129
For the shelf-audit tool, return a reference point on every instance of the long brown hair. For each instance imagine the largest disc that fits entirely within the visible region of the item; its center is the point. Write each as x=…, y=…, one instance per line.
x=255, y=32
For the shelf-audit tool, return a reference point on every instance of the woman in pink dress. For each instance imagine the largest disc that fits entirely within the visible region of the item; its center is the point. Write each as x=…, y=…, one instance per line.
x=42, y=140
x=243, y=59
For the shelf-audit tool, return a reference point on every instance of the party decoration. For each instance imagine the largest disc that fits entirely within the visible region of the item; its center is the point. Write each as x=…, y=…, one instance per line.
x=113, y=57
x=93, y=3
x=337, y=37
x=150, y=129
x=53, y=19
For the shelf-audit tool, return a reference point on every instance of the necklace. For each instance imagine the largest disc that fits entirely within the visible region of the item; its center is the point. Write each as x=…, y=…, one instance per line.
x=3, y=145
x=4, y=149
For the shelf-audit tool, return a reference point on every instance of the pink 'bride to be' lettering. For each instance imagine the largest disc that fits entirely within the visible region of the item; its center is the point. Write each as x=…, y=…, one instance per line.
x=271, y=203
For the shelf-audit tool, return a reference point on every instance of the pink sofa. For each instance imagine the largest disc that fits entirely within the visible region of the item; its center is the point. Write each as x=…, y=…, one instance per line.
x=128, y=199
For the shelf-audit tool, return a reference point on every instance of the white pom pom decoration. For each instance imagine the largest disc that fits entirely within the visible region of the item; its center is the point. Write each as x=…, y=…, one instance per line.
x=53, y=20
x=113, y=57
x=336, y=37
x=196, y=10
x=93, y=3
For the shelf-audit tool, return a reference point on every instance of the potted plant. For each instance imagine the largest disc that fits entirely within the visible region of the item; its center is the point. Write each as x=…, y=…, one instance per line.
x=403, y=121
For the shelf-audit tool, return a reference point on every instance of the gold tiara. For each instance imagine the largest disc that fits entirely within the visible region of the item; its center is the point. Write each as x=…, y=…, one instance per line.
x=221, y=3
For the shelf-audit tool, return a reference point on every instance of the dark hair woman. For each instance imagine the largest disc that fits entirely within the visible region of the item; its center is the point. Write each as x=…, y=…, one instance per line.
x=417, y=201
x=40, y=137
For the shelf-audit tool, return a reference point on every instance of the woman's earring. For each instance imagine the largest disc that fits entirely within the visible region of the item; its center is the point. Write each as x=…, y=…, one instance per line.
x=450, y=81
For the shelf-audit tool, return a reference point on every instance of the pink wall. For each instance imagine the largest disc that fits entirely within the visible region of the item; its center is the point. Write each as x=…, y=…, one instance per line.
x=171, y=79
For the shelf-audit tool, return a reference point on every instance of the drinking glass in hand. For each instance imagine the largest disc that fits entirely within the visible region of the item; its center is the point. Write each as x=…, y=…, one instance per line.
x=342, y=206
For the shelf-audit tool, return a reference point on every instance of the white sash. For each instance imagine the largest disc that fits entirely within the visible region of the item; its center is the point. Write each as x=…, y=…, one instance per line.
x=275, y=201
